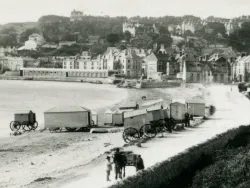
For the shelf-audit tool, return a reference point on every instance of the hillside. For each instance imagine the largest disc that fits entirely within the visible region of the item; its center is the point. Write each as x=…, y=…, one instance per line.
x=19, y=27
x=59, y=28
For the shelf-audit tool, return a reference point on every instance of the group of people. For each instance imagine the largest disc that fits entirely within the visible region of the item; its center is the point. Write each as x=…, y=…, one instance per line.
x=120, y=161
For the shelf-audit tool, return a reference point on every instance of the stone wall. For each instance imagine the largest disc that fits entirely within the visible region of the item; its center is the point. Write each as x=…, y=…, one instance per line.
x=61, y=73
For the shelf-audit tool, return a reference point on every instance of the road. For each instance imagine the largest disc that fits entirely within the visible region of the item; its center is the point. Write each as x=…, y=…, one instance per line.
x=232, y=110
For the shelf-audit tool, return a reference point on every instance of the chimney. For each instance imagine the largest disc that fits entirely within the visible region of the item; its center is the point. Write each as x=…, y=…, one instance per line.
x=243, y=54
x=206, y=57
x=162, y=46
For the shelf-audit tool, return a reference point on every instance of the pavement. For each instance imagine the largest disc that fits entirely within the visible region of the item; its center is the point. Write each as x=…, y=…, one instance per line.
x=232, y=110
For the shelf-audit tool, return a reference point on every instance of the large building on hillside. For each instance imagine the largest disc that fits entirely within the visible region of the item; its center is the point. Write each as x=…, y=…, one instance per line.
x=130, y=26
x=76, y=16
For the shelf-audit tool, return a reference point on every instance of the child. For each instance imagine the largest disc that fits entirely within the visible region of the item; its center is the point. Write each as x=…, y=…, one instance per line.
x=108, y=168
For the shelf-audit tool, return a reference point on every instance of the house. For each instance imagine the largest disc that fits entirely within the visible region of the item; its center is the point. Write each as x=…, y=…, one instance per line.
x=50, y=45
x=215, y=69
x=66, y=43
x=130, y=64
x=241, y=69
x=76, y=16
x=129, y=26
x=5, y=50
x=110, y=59
x=160, y=63
x=11, y=63
x=81, y=63
x=94, y=39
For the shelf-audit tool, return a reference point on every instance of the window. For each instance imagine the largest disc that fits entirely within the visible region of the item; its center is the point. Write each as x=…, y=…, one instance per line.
x=77, y=65
x=128, y=61
x=85, y=65
x=192, y=77
x=159, y=66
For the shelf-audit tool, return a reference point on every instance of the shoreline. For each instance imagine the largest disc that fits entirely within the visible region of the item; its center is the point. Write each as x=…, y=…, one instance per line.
x=58, y=79
x=37, y=153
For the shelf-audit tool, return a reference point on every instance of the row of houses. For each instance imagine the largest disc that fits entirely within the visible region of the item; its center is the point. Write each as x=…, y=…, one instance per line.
x=211, y=66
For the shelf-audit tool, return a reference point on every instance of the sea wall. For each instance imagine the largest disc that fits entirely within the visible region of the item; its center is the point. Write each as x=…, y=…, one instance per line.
x=159, y=84
x=161, y=174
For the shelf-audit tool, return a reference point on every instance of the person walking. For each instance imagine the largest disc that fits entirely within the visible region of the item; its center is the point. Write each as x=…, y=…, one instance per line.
x=139, y=163
x=187, y=120
x=118, y=160
x=108, y=167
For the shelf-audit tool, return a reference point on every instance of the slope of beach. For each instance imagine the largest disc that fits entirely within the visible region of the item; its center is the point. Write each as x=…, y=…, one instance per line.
x=42, y=157
x=227, y=116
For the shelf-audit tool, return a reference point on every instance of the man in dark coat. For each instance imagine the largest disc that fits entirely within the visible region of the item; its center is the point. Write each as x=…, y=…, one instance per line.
x=187, y=120
x=118, y=160
x=139, y=163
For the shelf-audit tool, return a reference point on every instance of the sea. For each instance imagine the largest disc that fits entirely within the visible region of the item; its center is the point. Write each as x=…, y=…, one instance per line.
x=39, y=96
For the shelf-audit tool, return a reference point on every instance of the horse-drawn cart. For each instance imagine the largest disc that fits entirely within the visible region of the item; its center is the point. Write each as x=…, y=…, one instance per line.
x=144, y=122
x=25, y=120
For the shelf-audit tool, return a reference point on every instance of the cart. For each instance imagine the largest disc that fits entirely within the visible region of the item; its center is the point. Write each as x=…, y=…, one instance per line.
x=26, y=120
x=146, y=122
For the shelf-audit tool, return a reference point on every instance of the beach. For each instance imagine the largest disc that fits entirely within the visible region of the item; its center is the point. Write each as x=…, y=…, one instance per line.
x=38, y=158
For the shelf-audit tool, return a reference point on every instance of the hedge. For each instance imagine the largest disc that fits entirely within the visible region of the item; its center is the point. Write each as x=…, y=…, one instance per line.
x=161, y=174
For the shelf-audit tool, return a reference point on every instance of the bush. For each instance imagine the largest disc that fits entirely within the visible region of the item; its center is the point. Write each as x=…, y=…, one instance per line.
x=169, y=173
x=4, y=70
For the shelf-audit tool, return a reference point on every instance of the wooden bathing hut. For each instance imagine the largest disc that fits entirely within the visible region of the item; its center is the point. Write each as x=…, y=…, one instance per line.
x=71, y=117
x=118, y=117
x=178, y=108
x=94, y=117
x=129, y=106
x=108, y=117
x=135, y=119
x=152, y=103
x=196, y=107
x=155, y=113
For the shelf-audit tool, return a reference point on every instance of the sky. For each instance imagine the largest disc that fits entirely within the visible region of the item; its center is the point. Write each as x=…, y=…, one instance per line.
x=32, y=10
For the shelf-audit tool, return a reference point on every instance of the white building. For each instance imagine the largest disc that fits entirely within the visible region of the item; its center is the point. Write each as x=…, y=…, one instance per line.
x=8, y=49
x=29, y=45
x=37, y=38
x=241, y=69
x=130, y=64
x=127, y=26
x=110, y=58
x=82, y=63
x=11, y=63
x=76, y=15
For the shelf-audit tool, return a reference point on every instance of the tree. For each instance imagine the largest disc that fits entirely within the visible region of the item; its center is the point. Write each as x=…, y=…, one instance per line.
x=113, y=38
x=8, y=37
x=180, y=44
x=24, y=36
x=240, y=39
x=127, y=36
x=95, y=50
x=163, y=30
x=188, y=33
x=165, y=39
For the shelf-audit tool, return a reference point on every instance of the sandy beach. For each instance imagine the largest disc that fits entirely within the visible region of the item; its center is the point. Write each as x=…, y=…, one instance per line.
x=40, y=158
